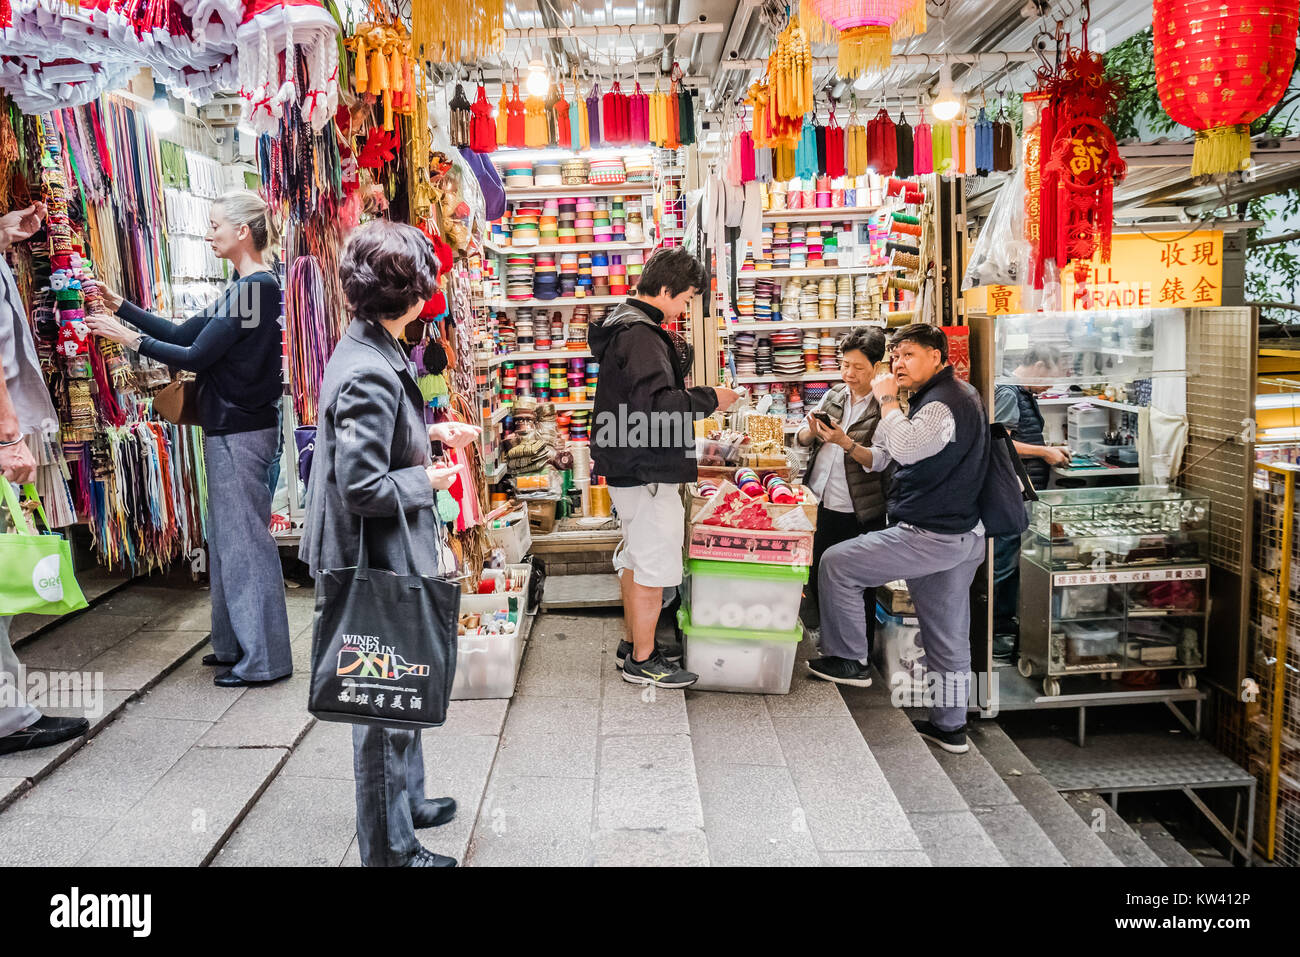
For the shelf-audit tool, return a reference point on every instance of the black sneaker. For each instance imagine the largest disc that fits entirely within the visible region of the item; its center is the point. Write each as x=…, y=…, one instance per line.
x=842, y=671
x=625, y=649
x=954, y=742
x=426, y=858
x=45, y=732
x=656, y=671
x=1004, y=647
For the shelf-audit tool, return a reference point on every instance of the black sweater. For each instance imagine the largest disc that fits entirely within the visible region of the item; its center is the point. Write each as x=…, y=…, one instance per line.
x=233, y=345
x=641, y=426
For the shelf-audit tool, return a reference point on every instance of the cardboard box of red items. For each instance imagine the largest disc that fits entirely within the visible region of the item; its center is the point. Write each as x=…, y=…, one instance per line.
x=731, y=507
x=742, y=545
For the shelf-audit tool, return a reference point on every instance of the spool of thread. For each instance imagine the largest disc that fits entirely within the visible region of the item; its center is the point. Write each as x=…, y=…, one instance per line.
x=731, y=615
x=600, y=505
x=907, y=229
x=907, y=285
x=907, y=218
x=907, y=261
x=707, y=488
x=914, y=197
x=897, y=186
x=893, y=247
x=758, y=617
x=896, y=319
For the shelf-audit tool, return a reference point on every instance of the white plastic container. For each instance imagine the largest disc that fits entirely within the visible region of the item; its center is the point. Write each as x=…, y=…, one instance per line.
x=899, y=656
x=487, y=666
x=515, y=539
x=730, y=660
x=740, y=595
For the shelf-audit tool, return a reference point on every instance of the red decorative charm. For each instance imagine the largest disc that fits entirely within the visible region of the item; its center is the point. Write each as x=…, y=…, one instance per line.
x=1220, y=65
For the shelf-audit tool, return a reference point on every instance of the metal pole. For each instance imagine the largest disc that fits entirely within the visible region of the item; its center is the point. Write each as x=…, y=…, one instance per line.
x=1279, y=666
x=607, y=30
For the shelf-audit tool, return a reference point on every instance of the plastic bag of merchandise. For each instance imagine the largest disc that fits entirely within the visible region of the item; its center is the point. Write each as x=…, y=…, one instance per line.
x=1001, y=254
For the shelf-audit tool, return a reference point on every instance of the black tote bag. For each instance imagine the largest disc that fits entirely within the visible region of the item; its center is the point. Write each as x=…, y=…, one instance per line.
x=1006, y=487
x=383, y=646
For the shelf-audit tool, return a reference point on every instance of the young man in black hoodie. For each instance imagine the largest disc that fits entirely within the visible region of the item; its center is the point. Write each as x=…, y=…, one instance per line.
x=643, y=443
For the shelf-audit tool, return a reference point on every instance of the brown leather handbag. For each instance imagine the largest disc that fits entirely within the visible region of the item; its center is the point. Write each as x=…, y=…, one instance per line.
x=177, y=402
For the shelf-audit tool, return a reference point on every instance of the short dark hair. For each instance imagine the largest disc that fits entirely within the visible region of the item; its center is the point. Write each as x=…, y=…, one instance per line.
x=923, y=334
x=1036, y=354
x=673, y=267
x=386, y=269
x=869, y=340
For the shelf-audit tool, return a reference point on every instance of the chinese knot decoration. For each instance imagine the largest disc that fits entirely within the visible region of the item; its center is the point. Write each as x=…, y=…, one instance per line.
x=1221, y=64
x=1080, y=164
x=864, y=30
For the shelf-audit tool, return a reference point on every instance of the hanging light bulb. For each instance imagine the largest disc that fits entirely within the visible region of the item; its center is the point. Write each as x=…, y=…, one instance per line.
x=947, y=102
x=537, y=82
x=160, y=114
x=863, y=82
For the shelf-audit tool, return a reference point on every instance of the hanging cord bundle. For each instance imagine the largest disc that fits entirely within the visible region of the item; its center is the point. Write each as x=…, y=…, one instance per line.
x=536, y=134
x=1003, y=142
x=685, y=110
x=983, y=144
x=593, y=116
x=503, y=117
x=882, y=143
x=805, y=157
x=614, y=115
x=835, y=150
x=562, y=111
x=922, y=148
x=579, y=136
x=461, y=117
x=639, y=116
x=790, y=68
x=448, y=31
x=658, y=115
x=304, y=324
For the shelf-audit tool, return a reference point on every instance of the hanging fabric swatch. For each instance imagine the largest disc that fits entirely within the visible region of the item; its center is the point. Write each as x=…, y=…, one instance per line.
x=482, y=131
x=835, y=153
x=503, y=119
x=674, y=119
x=857, y=160
x=903, y=134
x=639, y=110
x=658, y=116
x=763, y=165
x=563, y=113
x=686, y=118
x=785, y=163
x=882, y=144
x=746, y=157
x=552, y=126
x=535, y=133
x=819, y=132
x=516, y=126
x=805, y=160
x=593, y=116
x=942, y=136
x=922, y=148
x=582, y=123
x=611, y=124
x=983, y=144
x=1003, y=138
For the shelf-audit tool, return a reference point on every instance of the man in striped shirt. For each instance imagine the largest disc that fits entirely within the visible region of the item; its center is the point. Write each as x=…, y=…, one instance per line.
x=935, y=540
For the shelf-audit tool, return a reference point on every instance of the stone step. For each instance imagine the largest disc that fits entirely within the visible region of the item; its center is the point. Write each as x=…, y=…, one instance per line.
x=950, y=832
x=1124, y=842
x=1163, y=844
x=94, y=662
x=1076, y=841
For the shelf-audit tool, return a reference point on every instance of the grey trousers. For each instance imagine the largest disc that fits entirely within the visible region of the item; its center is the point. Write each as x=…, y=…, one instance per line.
x=939, y=570
x=388, y=765
x=15, y=712
x=249, y=619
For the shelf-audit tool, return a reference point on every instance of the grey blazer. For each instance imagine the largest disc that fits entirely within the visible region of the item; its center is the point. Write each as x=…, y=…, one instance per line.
x=372, y=447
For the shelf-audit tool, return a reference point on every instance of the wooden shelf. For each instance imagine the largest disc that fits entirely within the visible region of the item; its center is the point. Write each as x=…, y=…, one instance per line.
x=832, y=214
x=523, y=355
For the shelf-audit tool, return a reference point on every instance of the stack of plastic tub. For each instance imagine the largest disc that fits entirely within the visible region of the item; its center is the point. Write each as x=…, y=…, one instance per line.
x=740, y=622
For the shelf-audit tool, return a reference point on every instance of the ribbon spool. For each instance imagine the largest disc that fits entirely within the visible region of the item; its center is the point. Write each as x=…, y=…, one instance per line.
x=907, y=218
x=906, y=285
x=893, y=247
x=894, y=320
x=914, y=197
x=897, y=187
x=908, y=229
x=908, y=261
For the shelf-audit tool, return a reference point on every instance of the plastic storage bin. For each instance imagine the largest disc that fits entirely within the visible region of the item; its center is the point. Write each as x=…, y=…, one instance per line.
x=899, y=656
x=487, y=666
x=514, y=539
x=728, y=659
x=1086, y=642
x=743, y=595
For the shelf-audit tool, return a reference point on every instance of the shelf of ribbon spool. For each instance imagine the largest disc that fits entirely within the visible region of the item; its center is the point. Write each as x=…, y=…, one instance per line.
x=560, y=192
x=610, y=247
x=799, y=377
x=831, y=213
x=767, y=325
x=504, y=409
x=502, y=303
x=818, y=271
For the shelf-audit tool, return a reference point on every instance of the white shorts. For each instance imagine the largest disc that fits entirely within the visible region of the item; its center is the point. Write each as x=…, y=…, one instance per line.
x=654, y=526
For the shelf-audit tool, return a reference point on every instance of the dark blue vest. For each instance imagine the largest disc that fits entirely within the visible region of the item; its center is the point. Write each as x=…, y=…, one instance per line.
x=941, y=493
x=1030, y=432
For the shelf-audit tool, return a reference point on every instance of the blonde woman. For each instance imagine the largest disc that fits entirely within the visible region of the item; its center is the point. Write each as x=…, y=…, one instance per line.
x=234, y=346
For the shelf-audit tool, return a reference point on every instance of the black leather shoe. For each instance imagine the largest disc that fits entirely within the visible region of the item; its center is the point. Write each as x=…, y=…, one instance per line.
x=228, y=679
x=434, y=812
x=212, y=661
x=46, y=731
x=1004, y=647
x=426, y=858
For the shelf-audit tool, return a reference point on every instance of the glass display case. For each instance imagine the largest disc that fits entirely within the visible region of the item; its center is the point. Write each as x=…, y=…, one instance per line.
x=1114, y=580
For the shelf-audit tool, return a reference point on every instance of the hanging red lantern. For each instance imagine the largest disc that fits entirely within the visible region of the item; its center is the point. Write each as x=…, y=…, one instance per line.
x=1220, y=65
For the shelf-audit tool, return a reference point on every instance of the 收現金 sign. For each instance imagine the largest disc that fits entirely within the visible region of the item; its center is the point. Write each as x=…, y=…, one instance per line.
x=1152, y=271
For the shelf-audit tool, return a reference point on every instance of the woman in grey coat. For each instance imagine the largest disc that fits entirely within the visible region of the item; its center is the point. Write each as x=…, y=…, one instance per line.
x=373, y=456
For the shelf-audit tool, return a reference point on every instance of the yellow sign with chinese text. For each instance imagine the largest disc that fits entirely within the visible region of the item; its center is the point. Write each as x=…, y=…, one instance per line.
x=1152, y=271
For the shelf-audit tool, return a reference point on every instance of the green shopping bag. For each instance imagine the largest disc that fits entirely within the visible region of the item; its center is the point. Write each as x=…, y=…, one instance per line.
x=35, y=569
